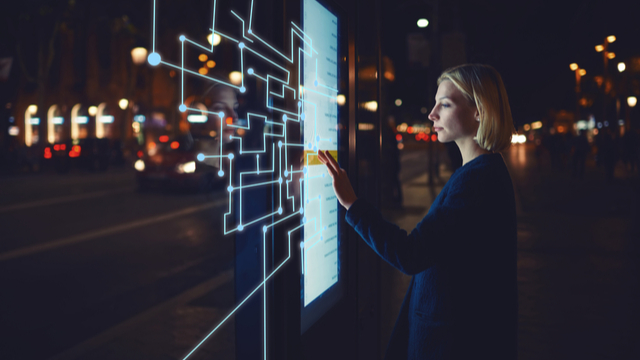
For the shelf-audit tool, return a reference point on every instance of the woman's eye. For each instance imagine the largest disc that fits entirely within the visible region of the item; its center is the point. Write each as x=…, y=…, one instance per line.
x=445, y=105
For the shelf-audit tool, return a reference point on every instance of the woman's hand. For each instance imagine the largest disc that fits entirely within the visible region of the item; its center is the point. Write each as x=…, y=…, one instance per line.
x=341, y=184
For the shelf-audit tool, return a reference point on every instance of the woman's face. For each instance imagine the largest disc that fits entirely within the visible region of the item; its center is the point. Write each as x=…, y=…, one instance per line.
x=453, y=117
x=224, y=100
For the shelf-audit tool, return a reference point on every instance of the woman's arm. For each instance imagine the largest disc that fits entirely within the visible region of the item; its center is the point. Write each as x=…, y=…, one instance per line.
x=437, y=236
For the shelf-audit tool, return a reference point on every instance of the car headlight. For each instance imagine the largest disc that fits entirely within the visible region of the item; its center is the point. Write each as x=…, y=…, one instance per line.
x=139, y=165
x=187, y=168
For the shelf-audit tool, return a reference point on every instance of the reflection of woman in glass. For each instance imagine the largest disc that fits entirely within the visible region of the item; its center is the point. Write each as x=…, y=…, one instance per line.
x=462, y=301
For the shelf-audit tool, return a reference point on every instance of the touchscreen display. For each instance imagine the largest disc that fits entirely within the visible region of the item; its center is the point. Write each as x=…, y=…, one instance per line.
x=320, y=132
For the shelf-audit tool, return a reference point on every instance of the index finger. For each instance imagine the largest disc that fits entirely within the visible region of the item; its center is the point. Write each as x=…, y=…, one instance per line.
x=330, y=160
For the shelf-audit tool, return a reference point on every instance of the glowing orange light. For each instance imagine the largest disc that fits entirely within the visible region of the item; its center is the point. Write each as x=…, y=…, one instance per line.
x=152, y=145
x=63, y=147
x=76, y=148
x=163, y=138
x=410, y=129
x=172, y=73
x=56, y=147
x=211, y=64
x=203, y=57
x=140, y=153
x=229, y=120
x=434, y=137
x=398, y=137
x=175, y=145
x=203, y=71
x=418, y=137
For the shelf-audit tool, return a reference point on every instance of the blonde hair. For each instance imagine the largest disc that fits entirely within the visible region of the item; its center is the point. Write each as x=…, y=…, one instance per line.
x=482, y=86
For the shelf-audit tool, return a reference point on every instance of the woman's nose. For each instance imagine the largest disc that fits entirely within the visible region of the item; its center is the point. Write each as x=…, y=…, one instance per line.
x=432, y=116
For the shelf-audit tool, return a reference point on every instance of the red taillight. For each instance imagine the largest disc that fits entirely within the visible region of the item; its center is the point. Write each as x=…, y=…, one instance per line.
x=410, y=129
x=75, y=151
x=175, y=145
x=398, y=137
x=63, y=147
x=434, y=137
x=47, y=153
x=56, y=147
x=140, y=153
x=163, y=138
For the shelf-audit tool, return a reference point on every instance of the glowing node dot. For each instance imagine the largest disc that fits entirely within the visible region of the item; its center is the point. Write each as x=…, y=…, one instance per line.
x=231, y=156
x=230, y=188
x=280, y=180
x=182, y=107
x=300, y=180
x=321, y=238
x=249, y=31
x=315, y=83
x=220, y=173
x=257, y=156
x=307, y=201
x=318, y=138
x=322, y=174
x=330, y=139
x=221, y=115
x=200, y=157
x=286, y=173
x=153, y=59
x=315, y=149
x=241, y=45
x=284, y=117
x=182, y=38
x=301, y=210
x=304, y=170
x=280, y=211
x=302, y=117
x=304, y=219
x=279, y=144
x=299, y=103
x=250, y=71
x=240, y=227
x=302, y=245
x=264, y=228
x=310, y=146
x=324, y=228
x=243, y=89
x=240, y=149
x=319, y=197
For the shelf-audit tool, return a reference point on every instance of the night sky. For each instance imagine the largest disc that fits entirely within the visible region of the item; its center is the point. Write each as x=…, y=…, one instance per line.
x=531, y=43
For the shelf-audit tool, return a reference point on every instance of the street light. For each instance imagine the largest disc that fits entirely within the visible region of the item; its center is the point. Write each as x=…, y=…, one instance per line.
x=606, y=56
x=632, y=101
x=139, y=55
x=579, y=73
x=214, y=40
x=621, y=67
x=423, y=23
x=123, y=103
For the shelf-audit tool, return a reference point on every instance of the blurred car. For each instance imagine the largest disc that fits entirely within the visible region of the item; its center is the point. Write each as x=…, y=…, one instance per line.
x=172, y=163
x=88, y=154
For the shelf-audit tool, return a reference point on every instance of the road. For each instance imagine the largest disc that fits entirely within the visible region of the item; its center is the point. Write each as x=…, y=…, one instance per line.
x=81, y=253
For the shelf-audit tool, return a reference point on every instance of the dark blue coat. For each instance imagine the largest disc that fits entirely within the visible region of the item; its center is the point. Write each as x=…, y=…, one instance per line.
x=462, y=301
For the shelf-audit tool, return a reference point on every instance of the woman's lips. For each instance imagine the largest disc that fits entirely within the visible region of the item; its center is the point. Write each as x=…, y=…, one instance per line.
x=437, y=128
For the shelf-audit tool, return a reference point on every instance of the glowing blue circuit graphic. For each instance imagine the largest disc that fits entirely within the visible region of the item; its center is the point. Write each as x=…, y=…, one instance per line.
x=315, y=111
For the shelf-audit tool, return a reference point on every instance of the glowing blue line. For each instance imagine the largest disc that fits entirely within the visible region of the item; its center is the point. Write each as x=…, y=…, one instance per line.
x=259, y=77
x=272, y=63
x=243, y=301
x=330, y=97
x=224, y=36
x=330, y=88
x=290, y=144
x=310, y=39
x=213, y=24
x=254, y=185
x=198, y=45
x=251, y=15
x=270, y=47
x=215, y=156
x=154, y=26
x=198, y=74
x=242, y=26
x=182, y=73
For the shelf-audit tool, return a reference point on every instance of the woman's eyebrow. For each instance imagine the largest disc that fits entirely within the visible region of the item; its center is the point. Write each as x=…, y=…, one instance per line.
x=444, y=97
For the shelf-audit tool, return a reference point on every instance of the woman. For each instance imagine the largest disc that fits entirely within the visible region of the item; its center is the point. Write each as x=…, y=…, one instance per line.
x=462, y=301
